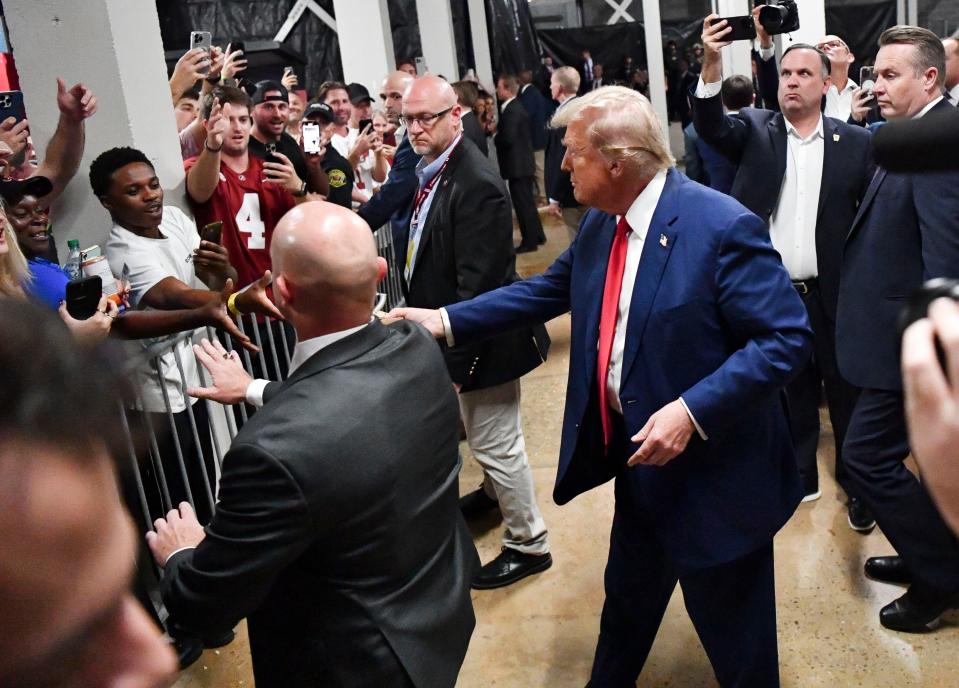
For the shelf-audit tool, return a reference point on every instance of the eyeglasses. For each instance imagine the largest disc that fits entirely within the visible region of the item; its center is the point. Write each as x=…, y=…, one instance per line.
x=831, y=44
x=425, y=121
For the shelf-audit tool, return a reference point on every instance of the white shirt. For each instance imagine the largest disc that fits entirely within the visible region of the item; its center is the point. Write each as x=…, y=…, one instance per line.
x=953, y=95
x=792, y=227
x=343, y=144
x=302, y=352
x=146, y=262
x=839, y=103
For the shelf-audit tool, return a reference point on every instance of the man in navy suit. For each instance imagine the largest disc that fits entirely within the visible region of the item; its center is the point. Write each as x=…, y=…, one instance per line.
x=906, y=232
x=685, y=329
x=539, y=109
x=393, y=201
x=804, y=174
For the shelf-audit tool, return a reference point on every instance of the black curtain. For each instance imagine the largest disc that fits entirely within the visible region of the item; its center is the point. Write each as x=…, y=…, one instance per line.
x=860, y=26
x=513, y=40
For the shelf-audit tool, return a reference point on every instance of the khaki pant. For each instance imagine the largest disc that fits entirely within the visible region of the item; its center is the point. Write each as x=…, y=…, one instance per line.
x=539, y=181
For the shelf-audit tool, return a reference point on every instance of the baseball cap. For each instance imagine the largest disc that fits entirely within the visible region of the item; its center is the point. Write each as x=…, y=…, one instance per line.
x=358, y=93
x=12, y=190
x=264, y=87
x=320, y=111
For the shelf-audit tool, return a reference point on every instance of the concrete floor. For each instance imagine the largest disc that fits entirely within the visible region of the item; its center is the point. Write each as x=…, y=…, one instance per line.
x=542, y=631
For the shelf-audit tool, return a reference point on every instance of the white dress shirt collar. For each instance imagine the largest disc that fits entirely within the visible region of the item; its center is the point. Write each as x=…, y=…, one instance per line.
x=792, y=131
x=929, y=106
x=303, y=351
x=506, y=103
x=953, y=94
x=640, y=213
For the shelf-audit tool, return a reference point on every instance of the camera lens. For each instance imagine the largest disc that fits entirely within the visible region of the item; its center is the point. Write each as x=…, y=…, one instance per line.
x=772, y=18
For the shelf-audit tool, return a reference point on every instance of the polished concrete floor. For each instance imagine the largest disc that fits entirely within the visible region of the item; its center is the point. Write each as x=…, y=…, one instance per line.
x=541, y=631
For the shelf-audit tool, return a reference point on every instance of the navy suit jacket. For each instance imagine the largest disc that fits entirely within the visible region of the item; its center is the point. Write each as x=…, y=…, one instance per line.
x=755, y=140
x=394, y=201
x=714, y=320
x=906, y=232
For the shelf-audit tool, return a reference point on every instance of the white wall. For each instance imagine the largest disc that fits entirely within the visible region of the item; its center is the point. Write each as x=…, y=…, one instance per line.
x=366, y=42
x=114, y=47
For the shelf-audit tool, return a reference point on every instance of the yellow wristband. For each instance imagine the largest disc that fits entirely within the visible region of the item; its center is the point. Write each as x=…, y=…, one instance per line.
x=231, y=305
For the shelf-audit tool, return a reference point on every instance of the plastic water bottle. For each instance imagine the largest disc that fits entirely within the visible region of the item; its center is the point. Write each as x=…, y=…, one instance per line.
x=72, y=266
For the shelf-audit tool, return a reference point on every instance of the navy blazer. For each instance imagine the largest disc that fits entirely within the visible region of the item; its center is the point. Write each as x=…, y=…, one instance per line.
x=906, y=232
x=514, y=143
x=714, y=320
x=755, y=140
x=394, y=201
x=557, y=180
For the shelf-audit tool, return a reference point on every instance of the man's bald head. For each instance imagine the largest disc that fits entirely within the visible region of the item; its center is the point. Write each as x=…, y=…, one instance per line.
x=391, y=93
x=326, y=266
x=427, y=97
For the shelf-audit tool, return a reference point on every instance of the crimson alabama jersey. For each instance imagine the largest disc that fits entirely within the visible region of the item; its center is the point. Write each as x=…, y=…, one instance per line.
x=249, y=210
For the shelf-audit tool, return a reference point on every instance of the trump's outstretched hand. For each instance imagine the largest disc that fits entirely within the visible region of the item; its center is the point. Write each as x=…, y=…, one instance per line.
x=180, y=529
x=430, y=319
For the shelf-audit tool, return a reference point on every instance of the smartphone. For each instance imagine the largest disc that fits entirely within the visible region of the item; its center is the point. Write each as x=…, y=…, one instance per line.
x=238, y=45
x=311, y=137
x=212, y=232
x=271, y=154
x=744, y=28
x=867, y=81
x=364, y=123
x=83, y=296
x=11, y=105
x=204, y=40
x=420, y=66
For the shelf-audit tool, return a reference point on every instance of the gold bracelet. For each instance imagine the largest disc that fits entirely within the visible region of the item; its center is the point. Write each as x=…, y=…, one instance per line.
x=231, y=305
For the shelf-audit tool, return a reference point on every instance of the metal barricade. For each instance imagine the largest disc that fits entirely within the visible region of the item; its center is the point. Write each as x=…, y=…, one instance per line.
x=392, y=284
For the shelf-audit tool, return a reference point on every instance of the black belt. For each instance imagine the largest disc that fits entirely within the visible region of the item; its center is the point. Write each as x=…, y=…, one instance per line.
x=807, y=285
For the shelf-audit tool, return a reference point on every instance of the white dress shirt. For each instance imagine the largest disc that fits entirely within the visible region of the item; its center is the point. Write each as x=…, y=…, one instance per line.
x=792, y=227
x=953, y=95
x=302, y=352
x=839, y=103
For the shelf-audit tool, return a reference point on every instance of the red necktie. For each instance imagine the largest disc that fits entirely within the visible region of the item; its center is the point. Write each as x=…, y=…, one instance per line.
x=607, y=319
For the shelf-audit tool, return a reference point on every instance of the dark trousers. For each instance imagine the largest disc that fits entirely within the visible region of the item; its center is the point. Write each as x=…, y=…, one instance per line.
x=530, y=227
x=732, y=606
x=804, y=394
x=877, y=445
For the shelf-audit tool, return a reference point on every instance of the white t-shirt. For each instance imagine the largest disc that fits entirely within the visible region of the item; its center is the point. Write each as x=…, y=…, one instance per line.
x=343, y=144
x=145, y=262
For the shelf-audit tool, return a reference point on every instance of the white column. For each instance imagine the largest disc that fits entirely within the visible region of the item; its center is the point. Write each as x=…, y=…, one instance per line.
x=366, y=41
x=736, y=59
x=912, y=12
x=654, y=61
x=812, y=23
x=482, y=62
x=114, y=47
x=437, y=38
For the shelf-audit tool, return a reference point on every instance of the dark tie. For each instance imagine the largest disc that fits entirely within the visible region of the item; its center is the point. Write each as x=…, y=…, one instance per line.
x=607, y=320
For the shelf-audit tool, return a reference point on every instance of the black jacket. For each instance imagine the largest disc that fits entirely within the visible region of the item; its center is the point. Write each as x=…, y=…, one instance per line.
x=539, y=108
x=337, y=532
x=466, y=249
x=755, y=140
x=558, y=186
x=514, y=144
x=473, y=130
x=906, y=232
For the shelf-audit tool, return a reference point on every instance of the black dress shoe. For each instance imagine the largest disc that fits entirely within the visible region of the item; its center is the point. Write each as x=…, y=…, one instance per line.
x=477, y=503
x=917, y=611
x=860, y=517
x=541, y=240
x=188, y=649
x=510, y=566
x=523, y=248
x=888, y=570
x=211, y=642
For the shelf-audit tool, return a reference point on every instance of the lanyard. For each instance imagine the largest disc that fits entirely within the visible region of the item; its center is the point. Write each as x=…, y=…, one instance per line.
x=415, y=229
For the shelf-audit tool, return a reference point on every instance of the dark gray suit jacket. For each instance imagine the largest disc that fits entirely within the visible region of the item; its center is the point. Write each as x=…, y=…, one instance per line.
x=337, y=532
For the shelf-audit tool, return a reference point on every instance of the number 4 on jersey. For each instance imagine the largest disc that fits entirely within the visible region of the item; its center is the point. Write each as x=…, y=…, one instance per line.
x=248, y=221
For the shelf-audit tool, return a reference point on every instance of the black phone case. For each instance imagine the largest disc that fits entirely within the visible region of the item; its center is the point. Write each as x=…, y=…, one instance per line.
x=83, y=295
x=744, y=28
x=11, y=105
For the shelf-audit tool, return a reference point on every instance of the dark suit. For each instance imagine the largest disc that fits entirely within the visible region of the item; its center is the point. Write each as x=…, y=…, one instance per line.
x=514, y=152
x=906, y=232
x=392, y=203
x=558, y=186
x=714, y=319
x=465, y=250
x=337, y=532
x=539, y=109
x=473, y=130
x=756, y=141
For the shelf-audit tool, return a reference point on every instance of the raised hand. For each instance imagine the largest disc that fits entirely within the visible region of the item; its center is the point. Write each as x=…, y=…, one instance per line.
x=189, y=69
x=229, y=380
x=216, y=126
x=254, y=298
x=234, y=64
x=282, y=173
x=78, y=103
x=14, y=134
x=217, y=315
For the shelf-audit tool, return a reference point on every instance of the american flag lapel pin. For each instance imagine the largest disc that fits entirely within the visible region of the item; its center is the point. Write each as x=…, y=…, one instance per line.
x=663, y=240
